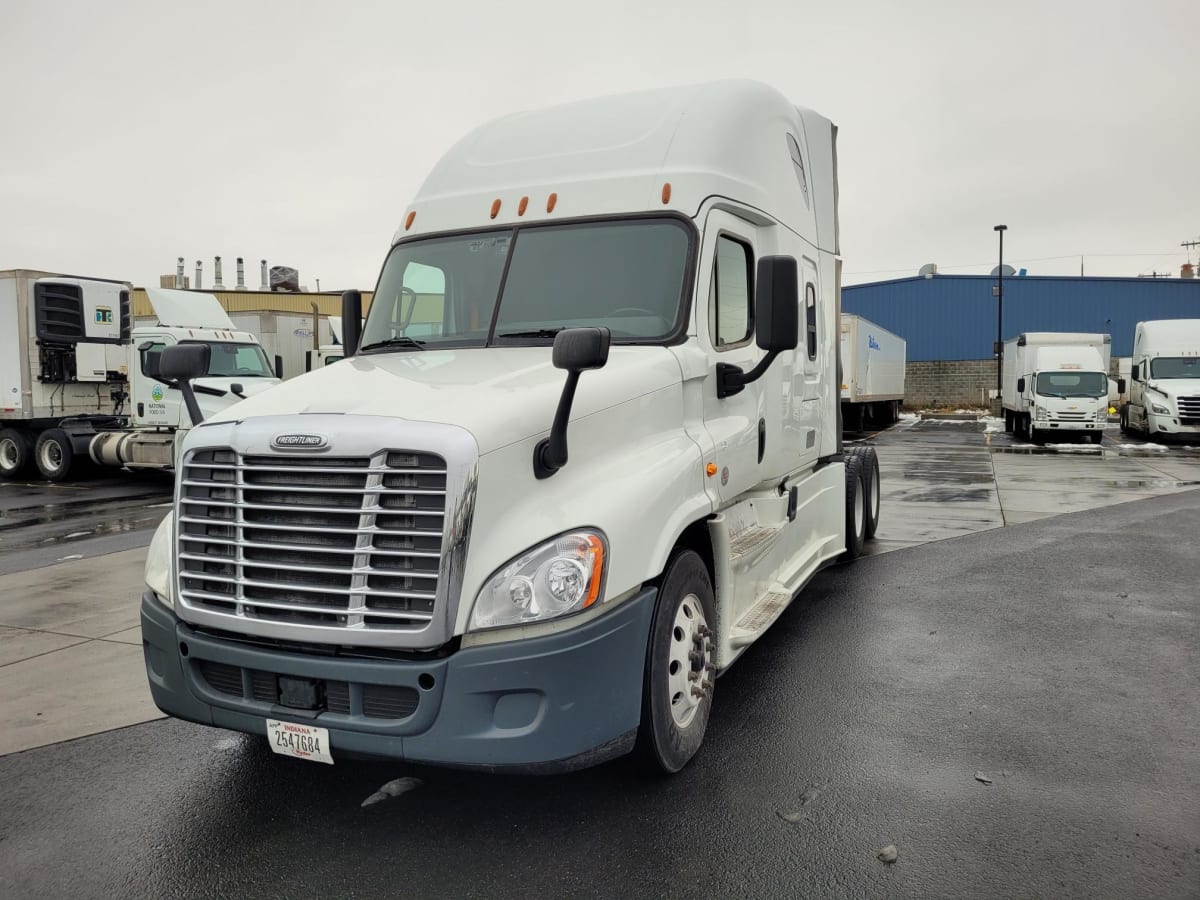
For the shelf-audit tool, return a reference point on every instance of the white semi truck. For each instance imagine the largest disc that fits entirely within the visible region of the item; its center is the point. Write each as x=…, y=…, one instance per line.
x=78, y=383
x=1056, y=384
x=873, y=361
x=532, y=536
x=1164, y=390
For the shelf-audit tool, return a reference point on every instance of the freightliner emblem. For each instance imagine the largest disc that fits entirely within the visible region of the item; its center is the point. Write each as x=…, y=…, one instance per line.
x=300, y=441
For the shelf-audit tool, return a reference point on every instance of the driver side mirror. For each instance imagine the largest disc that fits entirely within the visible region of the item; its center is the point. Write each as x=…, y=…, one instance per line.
x=776, y=321
x=1134, y=372
x=1020, y=385
x=351, y=321
x=1120, y=385
x=777, y=304
x=181, y=363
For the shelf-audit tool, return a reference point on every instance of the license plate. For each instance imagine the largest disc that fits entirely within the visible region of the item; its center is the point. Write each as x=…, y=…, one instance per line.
x=300, y=741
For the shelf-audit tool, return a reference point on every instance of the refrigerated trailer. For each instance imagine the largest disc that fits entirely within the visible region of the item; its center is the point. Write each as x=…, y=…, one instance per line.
x=78, y=383
x=873, y=361
x=532, y=532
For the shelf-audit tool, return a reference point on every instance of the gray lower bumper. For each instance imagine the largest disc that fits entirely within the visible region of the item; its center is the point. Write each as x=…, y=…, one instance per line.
x=543, y=704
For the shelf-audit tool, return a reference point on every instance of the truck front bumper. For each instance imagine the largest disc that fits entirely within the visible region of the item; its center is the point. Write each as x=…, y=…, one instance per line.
x=1172, y=426
x=1058, y=425
x=545, y=704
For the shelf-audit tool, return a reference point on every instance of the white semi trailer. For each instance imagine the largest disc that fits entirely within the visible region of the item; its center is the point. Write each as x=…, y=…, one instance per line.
x=1056, y=384
x=532, y=533
x=873, y=361
x=78, y=383
x=1164, y=390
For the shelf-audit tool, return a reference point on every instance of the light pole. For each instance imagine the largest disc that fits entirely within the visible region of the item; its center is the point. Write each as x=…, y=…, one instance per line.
x=1000, y=311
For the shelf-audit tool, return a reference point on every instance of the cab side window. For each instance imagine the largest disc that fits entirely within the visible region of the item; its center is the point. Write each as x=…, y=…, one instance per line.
x=730, y=314
x=149, y=359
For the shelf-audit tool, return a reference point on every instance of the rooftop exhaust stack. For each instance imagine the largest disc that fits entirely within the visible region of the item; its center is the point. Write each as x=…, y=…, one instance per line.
x=179, y=274
x=266, y=284
x=199, y=273
x=217, y=286
x=241, y=275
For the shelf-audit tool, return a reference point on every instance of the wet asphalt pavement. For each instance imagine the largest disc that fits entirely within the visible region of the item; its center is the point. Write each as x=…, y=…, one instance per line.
x=112, y=510
x=1057, y=659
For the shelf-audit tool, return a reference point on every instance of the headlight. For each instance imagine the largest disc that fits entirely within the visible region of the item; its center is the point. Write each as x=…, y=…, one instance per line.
x=561, y=577
x=158, y=560
x=1160, y=409
x=1040, y=413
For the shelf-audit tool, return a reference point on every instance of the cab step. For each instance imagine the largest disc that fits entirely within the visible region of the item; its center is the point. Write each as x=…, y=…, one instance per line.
x=759, y=617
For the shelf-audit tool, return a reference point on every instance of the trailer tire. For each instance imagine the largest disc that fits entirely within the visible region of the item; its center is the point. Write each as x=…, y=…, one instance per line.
x=679, y=660
x=856, y=508
x=54, y=455
x=15, y=452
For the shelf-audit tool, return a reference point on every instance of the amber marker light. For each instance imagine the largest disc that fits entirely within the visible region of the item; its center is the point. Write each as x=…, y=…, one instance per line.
x=495, y=207
x=596, y=550
x=522, y=206
x=409, y=219
x=666, y=193
x=711, y=469
x=551, y=202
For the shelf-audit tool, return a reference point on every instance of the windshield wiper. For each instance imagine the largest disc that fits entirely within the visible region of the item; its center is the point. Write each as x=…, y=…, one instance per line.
x=536, y=333
x=402, y=341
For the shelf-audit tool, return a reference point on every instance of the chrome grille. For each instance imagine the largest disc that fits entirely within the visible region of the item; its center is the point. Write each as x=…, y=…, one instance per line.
x=1189, y=410
x=1072, y=416
x=342, y=542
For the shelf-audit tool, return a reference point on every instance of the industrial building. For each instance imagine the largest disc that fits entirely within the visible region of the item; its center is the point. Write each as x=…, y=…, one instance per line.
x=950, y=321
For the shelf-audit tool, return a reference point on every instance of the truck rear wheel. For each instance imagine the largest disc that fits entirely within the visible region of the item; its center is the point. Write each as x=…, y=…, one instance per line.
x=856, y=508
x=14, y=452
x=678, y=686
x=54, y=455
x=869, y=463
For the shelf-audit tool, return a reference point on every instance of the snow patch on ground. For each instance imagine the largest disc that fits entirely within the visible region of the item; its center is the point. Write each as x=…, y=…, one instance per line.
x=1074, y=448
x=1145, y=447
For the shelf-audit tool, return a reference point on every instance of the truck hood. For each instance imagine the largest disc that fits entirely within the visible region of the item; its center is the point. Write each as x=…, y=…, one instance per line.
x=211, y=405
x=500, y=394
x=1176, y=387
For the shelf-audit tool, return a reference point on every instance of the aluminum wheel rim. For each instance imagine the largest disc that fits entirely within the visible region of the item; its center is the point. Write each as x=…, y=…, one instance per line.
x=8, y=455
x=873, y=492
x=52, y=455
x=689, y=677
x=860, y=510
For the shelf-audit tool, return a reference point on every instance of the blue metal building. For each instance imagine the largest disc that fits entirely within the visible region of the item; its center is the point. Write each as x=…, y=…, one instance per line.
x=947, y=317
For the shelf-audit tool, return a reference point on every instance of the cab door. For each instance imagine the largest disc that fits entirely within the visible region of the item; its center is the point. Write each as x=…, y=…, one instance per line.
x=152, y=402
x=725, y=320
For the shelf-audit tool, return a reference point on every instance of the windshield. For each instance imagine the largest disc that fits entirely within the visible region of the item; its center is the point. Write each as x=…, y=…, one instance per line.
x=242, y=360
x=628, y=276
x=1175, y=367
x=1072, y=384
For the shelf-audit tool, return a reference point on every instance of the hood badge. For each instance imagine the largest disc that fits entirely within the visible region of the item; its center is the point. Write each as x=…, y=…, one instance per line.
x=299, y=441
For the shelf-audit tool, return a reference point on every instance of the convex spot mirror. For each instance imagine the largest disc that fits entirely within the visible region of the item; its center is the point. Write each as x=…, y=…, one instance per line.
x=183, y=362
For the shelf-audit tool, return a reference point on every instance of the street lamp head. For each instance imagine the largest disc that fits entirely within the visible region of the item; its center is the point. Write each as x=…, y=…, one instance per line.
x=1000, y=228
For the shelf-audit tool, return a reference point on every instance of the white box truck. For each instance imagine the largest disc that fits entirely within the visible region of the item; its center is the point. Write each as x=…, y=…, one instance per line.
x=529, y=535
x=873, y=361
x=76, y=381
x=1055, y=384
x=1164, y=389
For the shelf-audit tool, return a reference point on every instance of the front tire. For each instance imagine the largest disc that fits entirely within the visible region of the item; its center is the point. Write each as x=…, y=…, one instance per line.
x=15, y=453
x=680, y=675
x=54, y=455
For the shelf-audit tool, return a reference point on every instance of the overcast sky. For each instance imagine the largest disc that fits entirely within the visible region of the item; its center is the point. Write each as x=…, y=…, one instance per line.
x=298, y=131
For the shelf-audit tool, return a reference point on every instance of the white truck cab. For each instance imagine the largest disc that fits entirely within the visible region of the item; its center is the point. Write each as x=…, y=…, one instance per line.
x=1164, y=391
x=78, y=381
x=1055, y=385
x=584, y=452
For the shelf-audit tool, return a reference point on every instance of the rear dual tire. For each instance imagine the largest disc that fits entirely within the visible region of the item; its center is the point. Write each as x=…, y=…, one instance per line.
x=16, y=451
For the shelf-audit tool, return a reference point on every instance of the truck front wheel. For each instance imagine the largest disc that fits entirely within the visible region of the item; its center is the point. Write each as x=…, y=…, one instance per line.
x=14, y=452
x=680, y=675
x=54, y=455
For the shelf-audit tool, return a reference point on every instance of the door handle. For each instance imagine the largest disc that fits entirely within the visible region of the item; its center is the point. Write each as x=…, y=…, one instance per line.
x=762, y=438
